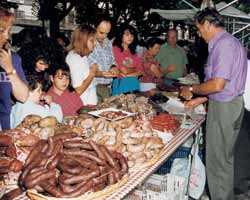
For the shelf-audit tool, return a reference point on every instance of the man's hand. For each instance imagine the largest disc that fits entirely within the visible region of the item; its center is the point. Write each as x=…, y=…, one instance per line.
x=195, y=102
x=170, y=68
x=185, y=93
x=6, y=61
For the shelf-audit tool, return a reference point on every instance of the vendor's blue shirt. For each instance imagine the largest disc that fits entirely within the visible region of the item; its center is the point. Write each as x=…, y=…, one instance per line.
x=6, y=91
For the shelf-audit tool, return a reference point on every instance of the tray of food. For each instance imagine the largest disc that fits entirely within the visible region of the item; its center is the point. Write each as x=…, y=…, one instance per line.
x=111, y=114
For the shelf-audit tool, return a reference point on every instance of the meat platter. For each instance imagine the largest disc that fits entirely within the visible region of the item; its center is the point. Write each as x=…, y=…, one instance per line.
x=111, y=114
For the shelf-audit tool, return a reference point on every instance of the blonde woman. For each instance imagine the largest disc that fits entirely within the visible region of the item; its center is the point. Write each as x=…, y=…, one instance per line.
x=82, y=74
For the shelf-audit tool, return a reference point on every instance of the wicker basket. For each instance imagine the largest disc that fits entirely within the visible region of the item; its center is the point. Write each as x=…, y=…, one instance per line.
x=33, y=195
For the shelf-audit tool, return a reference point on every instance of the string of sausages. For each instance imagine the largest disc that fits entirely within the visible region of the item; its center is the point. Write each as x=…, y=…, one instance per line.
x=67, y=166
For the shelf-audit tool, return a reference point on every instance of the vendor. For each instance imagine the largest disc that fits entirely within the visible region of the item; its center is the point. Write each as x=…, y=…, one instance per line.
x=11, y=73
x=172, y=58
x=224, y=84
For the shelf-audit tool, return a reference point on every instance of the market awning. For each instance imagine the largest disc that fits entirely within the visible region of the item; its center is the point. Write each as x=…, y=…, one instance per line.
x=189, y=13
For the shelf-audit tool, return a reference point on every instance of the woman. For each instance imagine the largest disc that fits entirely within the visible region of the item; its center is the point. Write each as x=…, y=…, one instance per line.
x=128, y=63
x=11, y=73
x=82, y=74
x=152, y=73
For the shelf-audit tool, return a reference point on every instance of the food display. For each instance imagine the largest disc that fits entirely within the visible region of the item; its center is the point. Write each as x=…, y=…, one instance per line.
x=67, y=166
x=130, y=103
x=113, y=114
x=133, y=137
x=165, y=122
x=88, y=152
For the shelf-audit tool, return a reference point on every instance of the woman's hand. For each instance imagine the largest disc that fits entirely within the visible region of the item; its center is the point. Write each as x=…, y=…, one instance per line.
x=5, y=60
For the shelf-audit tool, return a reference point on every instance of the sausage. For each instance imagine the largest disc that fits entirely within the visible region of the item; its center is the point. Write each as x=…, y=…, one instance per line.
x=40, y=178
x=12, y=194
x=68, y=188
x=4, y=163
x=68, y=161
x=4, y=170
x=51, y=189
x=30, y=176
x=50, y=147
x=77, y=144
x=35, y=151
x=16, y=165
x=108, y=156
x=5, y=140
x=54, y=162
x=81, y=177
x=64, y=136
x=116, y=175
x=99, y=152
x=70, y=170
x=86, y=163
x=123, y=162
x=100, y=180
x=99, y=187
x=85, y=154
x=36, y=169
x=38, y=188
x=11, y=151
x=81, y=190
x=111, y=178
x=43, y=161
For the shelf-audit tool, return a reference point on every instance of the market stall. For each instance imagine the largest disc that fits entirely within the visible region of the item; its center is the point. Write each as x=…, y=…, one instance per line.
x=138, y=149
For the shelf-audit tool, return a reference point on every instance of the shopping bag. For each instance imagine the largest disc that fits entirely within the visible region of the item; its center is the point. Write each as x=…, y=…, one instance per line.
x=197, y=177
x=181, y=168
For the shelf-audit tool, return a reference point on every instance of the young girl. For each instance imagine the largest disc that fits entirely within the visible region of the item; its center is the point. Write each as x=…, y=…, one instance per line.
x=82, y=74
x=70, y=102
x=128, y=63
x=34, y=105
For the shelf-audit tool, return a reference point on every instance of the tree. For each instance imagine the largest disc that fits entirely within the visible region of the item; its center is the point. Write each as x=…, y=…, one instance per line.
x=54, y=11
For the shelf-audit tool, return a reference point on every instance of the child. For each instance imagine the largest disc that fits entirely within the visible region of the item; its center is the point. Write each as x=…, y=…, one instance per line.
x=69, y=101
x=33, y=105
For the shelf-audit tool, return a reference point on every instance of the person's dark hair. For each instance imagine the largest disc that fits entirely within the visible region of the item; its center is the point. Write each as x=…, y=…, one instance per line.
x=152, y=41
x=102, y=17
x=63, y=37
x=34, y=83
x=120, y=32
x=63, y=66
x=211, y=15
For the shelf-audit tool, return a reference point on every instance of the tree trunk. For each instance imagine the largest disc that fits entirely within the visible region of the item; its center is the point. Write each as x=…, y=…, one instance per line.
x=54, y=27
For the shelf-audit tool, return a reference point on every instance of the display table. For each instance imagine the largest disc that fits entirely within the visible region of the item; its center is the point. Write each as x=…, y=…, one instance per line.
x=137, y=177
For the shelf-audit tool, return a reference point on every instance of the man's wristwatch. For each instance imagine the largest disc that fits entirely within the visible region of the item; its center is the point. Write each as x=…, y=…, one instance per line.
x=13, y=71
